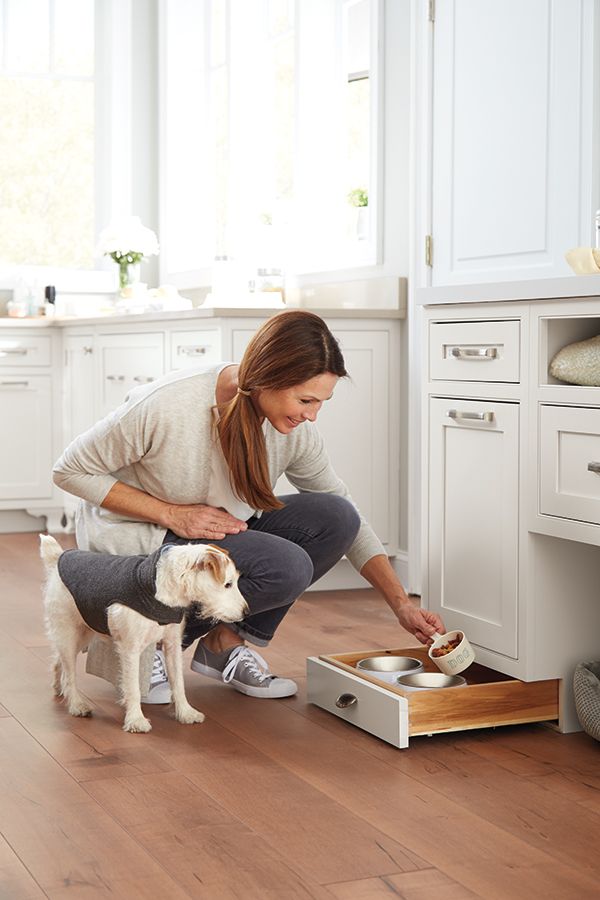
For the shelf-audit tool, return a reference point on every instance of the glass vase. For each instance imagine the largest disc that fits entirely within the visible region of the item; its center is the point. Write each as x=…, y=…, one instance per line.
x=129, y=273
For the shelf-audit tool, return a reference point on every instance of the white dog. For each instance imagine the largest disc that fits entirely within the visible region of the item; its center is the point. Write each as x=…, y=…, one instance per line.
x=101, y=592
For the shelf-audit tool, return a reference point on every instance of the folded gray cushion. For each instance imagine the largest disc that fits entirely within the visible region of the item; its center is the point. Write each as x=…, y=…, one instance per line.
x=578, y=363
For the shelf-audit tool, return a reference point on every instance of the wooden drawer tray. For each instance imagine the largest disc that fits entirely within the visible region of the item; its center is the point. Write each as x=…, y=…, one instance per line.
x=394, y=715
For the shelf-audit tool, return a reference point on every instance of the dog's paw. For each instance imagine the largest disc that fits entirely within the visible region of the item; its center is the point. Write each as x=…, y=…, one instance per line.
x=141, y=724
x=189, y=716
x=80, y=708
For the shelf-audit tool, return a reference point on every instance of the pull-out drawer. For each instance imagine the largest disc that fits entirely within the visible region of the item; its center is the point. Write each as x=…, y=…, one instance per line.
x=474, y=351
x=394, y=715
x=25, y=350
x=570, y=463
x=195, y=348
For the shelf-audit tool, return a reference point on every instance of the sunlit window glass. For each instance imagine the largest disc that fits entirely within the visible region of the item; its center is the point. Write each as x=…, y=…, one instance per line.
x=47, y=135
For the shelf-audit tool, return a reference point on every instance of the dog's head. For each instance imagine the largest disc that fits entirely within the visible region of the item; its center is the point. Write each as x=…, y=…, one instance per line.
x=200, y=574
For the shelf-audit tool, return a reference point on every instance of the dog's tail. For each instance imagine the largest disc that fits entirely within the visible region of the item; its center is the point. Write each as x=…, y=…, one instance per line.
x=50, y=550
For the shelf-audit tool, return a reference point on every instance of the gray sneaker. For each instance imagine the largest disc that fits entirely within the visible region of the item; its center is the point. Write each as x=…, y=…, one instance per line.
x=244, y=669
x=159, y=690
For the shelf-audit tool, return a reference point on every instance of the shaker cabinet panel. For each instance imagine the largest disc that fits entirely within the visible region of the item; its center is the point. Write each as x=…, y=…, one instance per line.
x=570, y=463
x=127, y=361
x=79, y=388
x=26, y=448
x=473, y=519
x=513, y=138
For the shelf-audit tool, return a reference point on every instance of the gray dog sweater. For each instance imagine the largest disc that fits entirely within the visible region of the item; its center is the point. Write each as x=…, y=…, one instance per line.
x=97, y=580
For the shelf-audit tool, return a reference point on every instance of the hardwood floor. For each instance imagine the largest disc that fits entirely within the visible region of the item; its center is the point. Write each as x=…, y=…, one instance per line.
x=275, y=799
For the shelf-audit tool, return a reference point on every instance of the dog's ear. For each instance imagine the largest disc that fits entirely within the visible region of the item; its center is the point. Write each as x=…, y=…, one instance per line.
x=214, y=560
x=218, y=549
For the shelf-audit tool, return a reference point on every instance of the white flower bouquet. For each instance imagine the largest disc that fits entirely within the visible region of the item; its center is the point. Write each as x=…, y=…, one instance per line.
x=127, y=241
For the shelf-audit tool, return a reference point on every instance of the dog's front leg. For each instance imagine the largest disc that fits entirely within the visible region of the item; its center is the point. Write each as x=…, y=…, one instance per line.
x=135, y=720
x=184, y=712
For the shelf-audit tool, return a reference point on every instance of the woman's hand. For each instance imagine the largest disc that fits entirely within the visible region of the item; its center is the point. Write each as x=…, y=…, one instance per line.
x=420, y=622
x=200, y=521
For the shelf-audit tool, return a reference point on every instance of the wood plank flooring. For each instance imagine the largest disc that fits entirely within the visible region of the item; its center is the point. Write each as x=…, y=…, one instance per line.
x=275, y=799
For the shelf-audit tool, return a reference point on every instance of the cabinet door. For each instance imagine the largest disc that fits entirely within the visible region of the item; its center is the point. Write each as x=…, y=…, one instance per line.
x=512, y=138
x=26, y=446
x=473, y=519
x=126, y=361
x=79, y=386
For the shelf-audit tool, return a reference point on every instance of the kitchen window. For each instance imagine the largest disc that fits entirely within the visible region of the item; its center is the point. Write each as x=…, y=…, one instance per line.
x=272, y=135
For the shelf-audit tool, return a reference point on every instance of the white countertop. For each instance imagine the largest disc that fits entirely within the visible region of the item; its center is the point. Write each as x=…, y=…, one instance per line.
x=190, y=314
x=570, y=287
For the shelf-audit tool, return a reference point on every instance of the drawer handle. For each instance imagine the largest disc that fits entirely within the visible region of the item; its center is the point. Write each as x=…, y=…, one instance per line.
x=16, y=351
x=480, y=417
x=88, y=350
x=143, y=379
x=115, y=378
x=594, y=467
x=345, y=700
x=191, y=350
x=14, y=383
x=474, y=352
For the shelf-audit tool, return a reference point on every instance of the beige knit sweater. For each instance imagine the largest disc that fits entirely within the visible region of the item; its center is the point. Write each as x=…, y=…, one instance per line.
x=160, y=440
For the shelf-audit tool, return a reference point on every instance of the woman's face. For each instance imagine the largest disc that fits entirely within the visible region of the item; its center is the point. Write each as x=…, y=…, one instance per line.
x=288, y=408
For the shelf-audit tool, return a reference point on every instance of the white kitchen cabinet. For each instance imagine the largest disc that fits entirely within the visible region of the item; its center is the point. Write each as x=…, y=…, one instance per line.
x=26, y=446
x=474, y=519
x=127, y=361
x=79, y=385
x=514, y=137
x=511, y=513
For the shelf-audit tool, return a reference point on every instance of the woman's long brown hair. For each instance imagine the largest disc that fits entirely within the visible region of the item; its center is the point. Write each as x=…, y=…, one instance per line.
x=290, y=348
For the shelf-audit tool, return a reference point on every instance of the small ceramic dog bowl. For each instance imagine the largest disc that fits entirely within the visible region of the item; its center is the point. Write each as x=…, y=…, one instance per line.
x=427, y=681
x=388, y=668
x=456, y=660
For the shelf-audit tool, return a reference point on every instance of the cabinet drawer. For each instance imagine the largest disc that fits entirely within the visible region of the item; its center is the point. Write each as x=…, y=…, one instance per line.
x=194, y=348
x=488, y=700
x=570, y=463
x=474, y=351
x=23, y=350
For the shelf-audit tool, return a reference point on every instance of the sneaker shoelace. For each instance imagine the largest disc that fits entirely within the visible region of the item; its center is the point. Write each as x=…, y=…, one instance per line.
x=251, y=660
x=159, y=672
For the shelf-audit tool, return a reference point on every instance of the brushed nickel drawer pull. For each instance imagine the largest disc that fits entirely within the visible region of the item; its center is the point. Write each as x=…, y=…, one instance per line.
x=594, y=467
x=480, y=417
x=14, y=383
x=143, y=379
x=345, y=700
x=191, y=350
x=88, y=350
x=16, y=351
x=115, y=378
x=475, y=353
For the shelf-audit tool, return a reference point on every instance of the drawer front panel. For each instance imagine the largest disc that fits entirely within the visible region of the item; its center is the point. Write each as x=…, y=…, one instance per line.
x=24, y=350
x=195, y=348
x=474, y=351
x=489, y=699
x=375, y=710
x=570, y=463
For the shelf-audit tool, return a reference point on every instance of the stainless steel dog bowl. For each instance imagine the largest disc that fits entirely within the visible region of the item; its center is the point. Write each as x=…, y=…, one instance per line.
x=426, y=681
x=388, y=668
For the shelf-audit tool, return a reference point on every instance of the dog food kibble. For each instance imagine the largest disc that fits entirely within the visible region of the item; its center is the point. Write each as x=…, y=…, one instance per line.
x=447, y=648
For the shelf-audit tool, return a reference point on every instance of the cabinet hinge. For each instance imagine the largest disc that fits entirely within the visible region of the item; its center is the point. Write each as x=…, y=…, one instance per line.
x=428, y=250
x=431, y=11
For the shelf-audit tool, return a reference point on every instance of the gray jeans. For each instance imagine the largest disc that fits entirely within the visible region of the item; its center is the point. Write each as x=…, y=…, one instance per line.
x=279, y=556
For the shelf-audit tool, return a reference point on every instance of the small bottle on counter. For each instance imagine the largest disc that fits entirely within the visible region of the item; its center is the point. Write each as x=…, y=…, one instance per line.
x=50, y=299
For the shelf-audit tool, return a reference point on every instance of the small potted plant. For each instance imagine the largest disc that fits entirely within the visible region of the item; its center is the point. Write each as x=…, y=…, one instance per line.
x=359, y=198
x=128, y=242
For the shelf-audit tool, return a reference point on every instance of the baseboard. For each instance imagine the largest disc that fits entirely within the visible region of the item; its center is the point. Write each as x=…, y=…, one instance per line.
x=344, y=577
x=17, y=521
